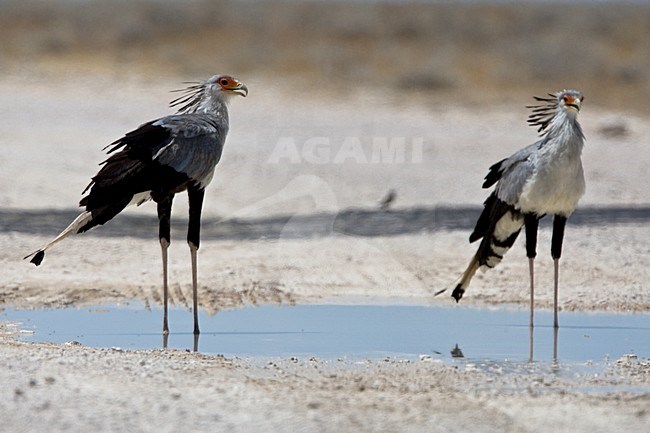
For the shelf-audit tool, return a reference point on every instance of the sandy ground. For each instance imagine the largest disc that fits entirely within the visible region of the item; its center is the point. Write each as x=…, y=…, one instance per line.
x=71, y=388
x=51, y=142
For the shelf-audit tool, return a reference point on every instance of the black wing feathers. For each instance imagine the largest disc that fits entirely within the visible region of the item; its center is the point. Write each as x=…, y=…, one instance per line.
x=142, y=141
x=492, y=212
x=129, y=171
x=494, y=174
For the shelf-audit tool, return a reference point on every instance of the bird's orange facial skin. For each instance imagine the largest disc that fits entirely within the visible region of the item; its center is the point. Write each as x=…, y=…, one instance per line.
x=571, y=101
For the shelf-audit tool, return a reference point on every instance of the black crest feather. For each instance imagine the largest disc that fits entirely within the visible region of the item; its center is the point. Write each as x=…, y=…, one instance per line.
x=542, y=113
x=190, y=99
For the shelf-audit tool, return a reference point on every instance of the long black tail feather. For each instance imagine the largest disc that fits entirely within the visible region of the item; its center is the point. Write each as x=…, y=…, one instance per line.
x=37, y=257
x=498, y=227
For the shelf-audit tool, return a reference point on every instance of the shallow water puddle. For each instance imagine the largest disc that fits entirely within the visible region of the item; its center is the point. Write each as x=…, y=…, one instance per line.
x=351, y=332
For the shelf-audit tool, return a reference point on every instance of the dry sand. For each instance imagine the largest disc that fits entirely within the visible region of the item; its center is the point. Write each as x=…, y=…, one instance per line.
x=71, y=388
x=286, y=224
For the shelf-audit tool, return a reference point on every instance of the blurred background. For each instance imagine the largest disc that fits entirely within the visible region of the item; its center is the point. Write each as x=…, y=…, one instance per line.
x=474, y=49
x=449, y=79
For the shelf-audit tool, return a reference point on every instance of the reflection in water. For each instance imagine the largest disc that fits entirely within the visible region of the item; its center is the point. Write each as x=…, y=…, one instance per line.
x=531, y=343
x=196, y=341
x=353, y=332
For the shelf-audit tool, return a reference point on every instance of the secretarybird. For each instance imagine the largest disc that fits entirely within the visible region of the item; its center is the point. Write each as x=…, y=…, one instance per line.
x=159, y=159
x=543, y=178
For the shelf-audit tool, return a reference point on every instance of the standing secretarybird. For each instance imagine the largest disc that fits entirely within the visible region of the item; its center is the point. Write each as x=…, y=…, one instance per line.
x=543, y=178
x=159, y=159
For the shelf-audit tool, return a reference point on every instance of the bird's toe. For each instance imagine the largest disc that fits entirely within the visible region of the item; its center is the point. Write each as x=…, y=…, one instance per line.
x=457, y=293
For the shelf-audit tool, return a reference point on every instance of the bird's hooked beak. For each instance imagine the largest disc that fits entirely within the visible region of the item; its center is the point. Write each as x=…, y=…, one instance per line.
x=239, y=88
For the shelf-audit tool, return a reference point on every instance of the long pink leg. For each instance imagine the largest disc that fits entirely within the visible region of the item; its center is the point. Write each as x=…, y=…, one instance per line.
x=531, y=270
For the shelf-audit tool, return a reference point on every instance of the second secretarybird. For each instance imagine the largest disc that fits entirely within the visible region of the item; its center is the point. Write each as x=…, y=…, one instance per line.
x=543, y=178
x=157, y=160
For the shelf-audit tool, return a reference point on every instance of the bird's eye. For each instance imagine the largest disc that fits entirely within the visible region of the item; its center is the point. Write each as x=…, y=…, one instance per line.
x=565, y=99
x=223, y=81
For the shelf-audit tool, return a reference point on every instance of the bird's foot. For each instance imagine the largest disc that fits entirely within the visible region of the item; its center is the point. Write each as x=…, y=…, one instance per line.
x=457, y=293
